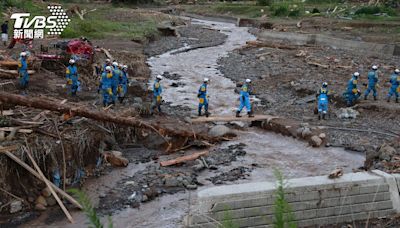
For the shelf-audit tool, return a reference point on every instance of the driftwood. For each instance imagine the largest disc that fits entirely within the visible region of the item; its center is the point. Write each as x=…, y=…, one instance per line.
x=107, y=53
x=184, y=159
x=10, y=74
x=36, y=174
x=48, y=183
x=74, y=110
x=336, y=173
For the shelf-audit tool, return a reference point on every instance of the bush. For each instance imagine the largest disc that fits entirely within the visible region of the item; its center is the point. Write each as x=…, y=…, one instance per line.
x=264, y=2
x=283, y=215
x=280, y=10
x=371, y=10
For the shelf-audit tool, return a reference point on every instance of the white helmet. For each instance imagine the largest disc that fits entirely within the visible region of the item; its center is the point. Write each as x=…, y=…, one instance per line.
x=115, y=64
x=356, y=74
x=397, y=71
x=71, y=61
x=248, y=80
x=22, y=54
x=206, y=80
x=374, y=67
x=108, y=68
x=124, y=67
x=325, y=84
x=108, y=60
x=159, y=77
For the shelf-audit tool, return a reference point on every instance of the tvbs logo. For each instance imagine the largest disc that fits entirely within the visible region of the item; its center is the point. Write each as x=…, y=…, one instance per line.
x=26, y=28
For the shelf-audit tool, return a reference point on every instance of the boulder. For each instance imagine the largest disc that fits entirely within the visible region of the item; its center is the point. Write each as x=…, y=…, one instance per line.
x=15, y=206
x=347, y=113
x=41, y=200
x=386, y=152
x=40, y=207
x=51, y=201
x=46, y=192
x=315, y=141
x=115, y=158
x=220, y=131
x=306, y=133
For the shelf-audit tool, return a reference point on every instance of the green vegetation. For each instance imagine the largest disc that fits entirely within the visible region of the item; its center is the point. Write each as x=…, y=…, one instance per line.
x=228, y=221
x=283, y=216
x=371, y=10
x=89, y=209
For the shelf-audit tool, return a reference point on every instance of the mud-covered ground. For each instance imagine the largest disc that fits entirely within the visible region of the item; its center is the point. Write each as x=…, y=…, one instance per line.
x=286, y=81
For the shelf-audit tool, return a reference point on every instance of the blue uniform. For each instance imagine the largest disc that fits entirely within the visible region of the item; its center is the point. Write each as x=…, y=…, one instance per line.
x=106, y=87
x=157, y=90
x=23, y=72
x=123, y=84
x=352, y=93
x=115, y=80
x=372, y=81
x=202, y=95
x=395, y=88
x=72, y=79
x=323, y=96
x=245, y=98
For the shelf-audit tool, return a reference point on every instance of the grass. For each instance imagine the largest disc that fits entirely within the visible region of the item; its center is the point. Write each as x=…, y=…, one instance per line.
x=283, y=216
x=232, y=9
x=97, y=24
x=89, y=210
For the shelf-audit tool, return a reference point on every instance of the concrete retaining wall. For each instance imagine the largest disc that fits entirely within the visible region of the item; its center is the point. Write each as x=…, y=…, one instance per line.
x=323, y=40
x=314, y=201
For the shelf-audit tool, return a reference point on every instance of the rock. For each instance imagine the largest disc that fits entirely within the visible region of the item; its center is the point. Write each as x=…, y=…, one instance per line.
x=299, y=131
x=138, y=100
x=40, y=207
x=171, y=182
x=322, y=135
x=51, y=201
x=191, y=186
x=239, y=124
x=386, y=152
x=102, y=195
x=41, y=200
x=199, y=166
x=347, y=113
x=46, y=192
x=115, y=158
x=15, y=206
x=130, y=183
x=306, y=133
x=145, y=198
x=316, y=141
x=219, y=131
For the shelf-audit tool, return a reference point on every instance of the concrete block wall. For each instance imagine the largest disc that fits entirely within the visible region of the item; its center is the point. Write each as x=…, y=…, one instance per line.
x=318, y=39
x=314, y=201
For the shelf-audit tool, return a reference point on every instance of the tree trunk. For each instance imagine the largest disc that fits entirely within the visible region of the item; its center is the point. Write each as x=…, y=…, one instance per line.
x=175, y=128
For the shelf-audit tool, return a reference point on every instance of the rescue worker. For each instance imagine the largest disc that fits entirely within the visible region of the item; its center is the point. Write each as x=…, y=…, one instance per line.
x=157, y=99
x=106, y=85
x=23, y=71
x=116, y=75
x=203, y=99
x=395, y=88
x=323, y=100
x=245, y=99
x=123, y=84
x=372, y=82
x=108, y=63
x=72, y=78
x=352, y=93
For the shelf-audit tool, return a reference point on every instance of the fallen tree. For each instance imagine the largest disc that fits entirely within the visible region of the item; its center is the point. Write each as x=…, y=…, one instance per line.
x=175, y=129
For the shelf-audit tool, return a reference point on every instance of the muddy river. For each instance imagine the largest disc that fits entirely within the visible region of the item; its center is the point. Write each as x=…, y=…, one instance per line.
x=266, y=150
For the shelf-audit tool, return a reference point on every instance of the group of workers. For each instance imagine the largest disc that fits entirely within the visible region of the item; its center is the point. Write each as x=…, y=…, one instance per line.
x=114, y=82
x=114, y=85
x=353, y=93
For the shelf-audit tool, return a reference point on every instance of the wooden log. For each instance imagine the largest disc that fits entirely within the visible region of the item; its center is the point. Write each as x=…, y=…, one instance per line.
x=36, y=174
x=47, y=182
x=20, y=130
x=270, y=45
x=75, y=110
x=184, y=158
